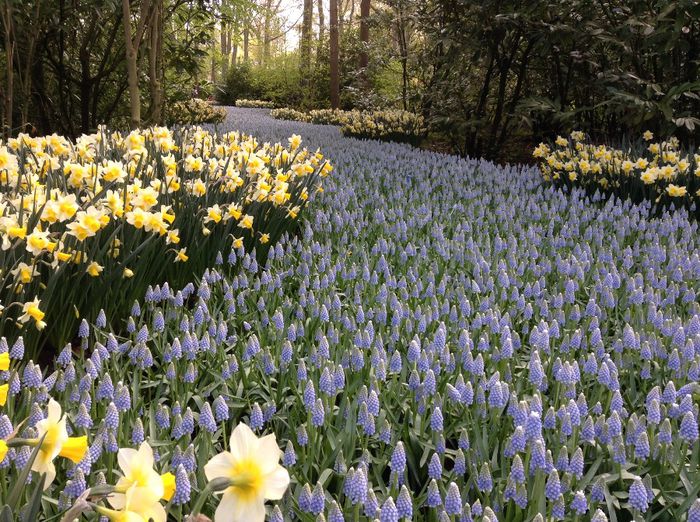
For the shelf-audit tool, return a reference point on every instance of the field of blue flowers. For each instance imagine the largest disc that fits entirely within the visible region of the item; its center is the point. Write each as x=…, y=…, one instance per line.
x=443, y=339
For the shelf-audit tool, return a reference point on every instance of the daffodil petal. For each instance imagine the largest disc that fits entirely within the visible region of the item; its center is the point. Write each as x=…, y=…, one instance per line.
x=276, y=483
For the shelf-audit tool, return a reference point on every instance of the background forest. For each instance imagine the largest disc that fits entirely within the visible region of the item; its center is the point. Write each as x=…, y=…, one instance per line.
x=491, y=78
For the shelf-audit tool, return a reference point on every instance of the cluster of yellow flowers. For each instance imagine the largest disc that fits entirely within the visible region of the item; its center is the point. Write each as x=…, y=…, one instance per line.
x=391, y=124
x=381, y=125
x=194, y=111
x=255, y=104
x=285, y=113
x=659, y=168
x=111, y=203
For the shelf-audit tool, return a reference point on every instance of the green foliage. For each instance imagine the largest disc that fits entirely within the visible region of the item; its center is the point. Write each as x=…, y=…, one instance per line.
x=278, y=82
x=609, y=68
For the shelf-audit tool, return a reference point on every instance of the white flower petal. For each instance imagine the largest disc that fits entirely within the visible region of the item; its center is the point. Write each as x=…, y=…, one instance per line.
x=157, y=513
x=243, y=442
x=276, y=483
x=219, y=466
x=145, y=456
x=54, y=411
x=117, y=500
x=268, y=454
x=233, y=508
x=50, y=475
x=127, y=458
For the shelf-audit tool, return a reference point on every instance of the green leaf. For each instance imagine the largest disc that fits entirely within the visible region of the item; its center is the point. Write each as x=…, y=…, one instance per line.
x=31, y=512
x=16, y=492
x=6, y=514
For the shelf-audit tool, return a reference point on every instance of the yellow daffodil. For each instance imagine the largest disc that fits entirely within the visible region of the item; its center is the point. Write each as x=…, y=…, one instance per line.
x=294, y=141
x=181, y=255
x=246, y=222
x=648, y=135
x=4, y=361
x=252, y=467
x=37, y=242
x=30, y=310
x=675, y=191
x=4, y=388
x=143, y=483
x=173, y=237
x=3, y=450
x=128, y=273
x=94, y=269
x=55, y=442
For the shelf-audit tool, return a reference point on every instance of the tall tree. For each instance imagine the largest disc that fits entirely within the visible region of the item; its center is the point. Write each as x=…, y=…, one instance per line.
x=155, y=63
x=132, y=44
x=9, y=57
x=321, y=30
x=364, y=39
x=305, y=40
x=335, y=55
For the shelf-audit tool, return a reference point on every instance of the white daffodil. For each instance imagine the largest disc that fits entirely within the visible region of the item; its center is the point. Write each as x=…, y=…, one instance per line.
x=127, y=513
x=55, y=442
x=252, y=466
x=141, y=487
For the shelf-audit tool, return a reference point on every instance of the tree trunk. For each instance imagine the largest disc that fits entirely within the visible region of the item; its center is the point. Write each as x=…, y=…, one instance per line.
x=305, y=41
x=225, y=42
x=321, y=30
x=364, y=41
x=131, y=45
x=155, y=59
x=246, y=43
x=402, y=40
x=335, y=55
x=267, y=37
x=9, y=57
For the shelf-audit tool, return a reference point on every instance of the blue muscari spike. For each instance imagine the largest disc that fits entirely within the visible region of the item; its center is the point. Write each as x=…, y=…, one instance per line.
x=433, y=498
x=318, y=500
x=435, y=467
x=83, y=329
x=137, y=433
x=183, y=487
x=371, y=505
x=404, y=503
x=389, y=512
x=289, y=457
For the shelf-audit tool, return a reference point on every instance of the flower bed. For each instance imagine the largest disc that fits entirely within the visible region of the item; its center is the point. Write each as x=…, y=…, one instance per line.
x=387, y=125
x=93, y=223
x=444, y=339
x=255, y=104
x=194, y=112
x=653, y=170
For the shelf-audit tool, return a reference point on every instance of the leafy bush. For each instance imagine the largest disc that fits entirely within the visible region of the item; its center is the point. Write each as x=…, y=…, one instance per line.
x=238, y=84
x=277, y=81
x=648, y=169
x=194, y=111
x=93, y=223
